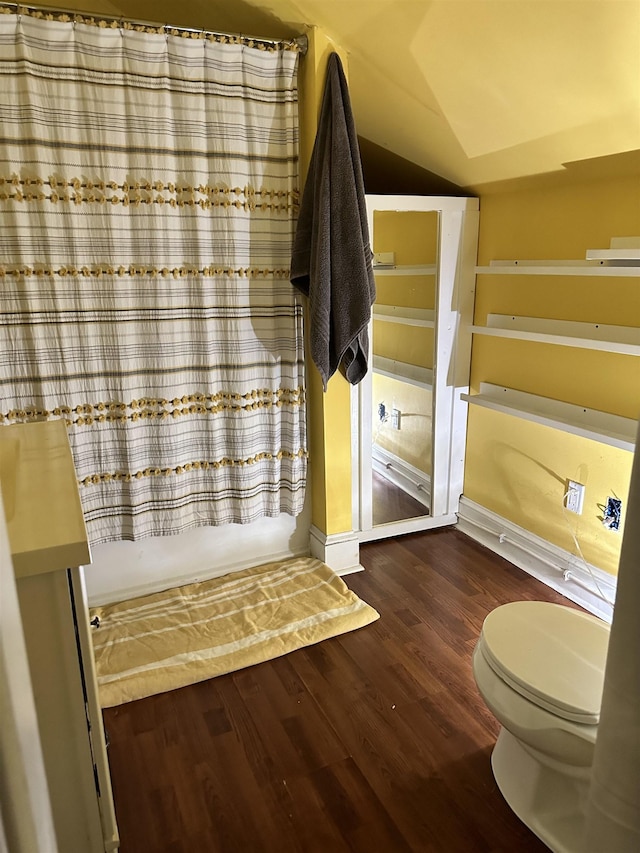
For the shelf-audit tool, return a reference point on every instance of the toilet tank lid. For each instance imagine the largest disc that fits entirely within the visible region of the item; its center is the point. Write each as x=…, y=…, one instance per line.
x=551, y=654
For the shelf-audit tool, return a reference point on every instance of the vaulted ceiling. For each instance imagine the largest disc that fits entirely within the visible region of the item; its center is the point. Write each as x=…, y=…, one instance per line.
x=476, y=91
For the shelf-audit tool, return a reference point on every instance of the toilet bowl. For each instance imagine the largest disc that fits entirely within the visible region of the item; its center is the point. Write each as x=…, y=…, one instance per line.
x=540, y=669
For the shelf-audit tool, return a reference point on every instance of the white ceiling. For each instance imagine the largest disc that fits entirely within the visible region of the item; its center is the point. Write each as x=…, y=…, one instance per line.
x=477, y=91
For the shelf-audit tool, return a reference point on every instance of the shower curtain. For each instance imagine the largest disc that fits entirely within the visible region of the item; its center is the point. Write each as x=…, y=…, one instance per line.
x=148, y=186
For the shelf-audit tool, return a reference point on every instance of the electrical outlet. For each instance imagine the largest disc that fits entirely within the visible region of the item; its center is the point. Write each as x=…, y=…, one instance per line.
x=395, y=418
x=612, y=513
x=575, y=497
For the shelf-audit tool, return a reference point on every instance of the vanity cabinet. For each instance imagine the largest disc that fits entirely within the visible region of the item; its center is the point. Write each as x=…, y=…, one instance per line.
x=49, y=548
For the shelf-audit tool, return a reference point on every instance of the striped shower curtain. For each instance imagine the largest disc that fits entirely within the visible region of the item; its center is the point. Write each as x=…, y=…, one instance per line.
x=148, y=185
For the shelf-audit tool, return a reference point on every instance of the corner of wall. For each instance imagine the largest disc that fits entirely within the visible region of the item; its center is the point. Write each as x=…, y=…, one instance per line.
x=329, y=412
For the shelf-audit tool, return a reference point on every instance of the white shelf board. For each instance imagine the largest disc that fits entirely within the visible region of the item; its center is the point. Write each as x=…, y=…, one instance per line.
x=622, y=254
x=406, y=269
x=601, y=268
x=614, y=430
x=596, y=336
x=625, y=242
x=421, y=377
x=406, y=316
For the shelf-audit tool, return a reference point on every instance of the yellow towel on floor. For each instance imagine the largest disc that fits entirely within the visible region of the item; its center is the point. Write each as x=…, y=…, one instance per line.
x=159, y=642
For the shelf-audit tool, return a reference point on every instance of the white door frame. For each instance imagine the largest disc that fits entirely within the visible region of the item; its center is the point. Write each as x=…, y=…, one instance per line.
x=455, y=293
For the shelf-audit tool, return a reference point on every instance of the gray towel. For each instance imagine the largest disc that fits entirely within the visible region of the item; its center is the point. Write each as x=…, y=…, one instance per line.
x=331, y=260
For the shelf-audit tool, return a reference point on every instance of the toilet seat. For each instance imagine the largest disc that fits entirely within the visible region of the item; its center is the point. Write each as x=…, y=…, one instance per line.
x=552, y=655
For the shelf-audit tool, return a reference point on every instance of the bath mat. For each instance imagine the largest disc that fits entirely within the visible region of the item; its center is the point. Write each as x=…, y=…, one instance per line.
x=167, y=640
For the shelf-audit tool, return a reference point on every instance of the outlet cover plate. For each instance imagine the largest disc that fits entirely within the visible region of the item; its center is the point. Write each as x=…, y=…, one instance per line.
x=575, y=497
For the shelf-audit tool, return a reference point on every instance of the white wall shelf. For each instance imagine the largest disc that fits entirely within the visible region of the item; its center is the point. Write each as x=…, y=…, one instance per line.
x=593, y=267
x=405, y=269
x=407, y=316
x=421, y=377
x=613, y=430
x=597, y=336
x=621, y=254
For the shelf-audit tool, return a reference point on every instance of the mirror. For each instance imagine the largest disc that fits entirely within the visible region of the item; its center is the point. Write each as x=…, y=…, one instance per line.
x=405, y=245
x=408, y=416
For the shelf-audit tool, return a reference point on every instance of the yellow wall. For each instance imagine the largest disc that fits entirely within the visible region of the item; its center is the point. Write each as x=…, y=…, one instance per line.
x=329, y=412
x=413, y=442
x=514, y=468
x=518, y=469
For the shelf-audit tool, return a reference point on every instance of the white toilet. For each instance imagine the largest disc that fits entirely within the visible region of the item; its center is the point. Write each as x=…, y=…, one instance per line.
x=540, y=669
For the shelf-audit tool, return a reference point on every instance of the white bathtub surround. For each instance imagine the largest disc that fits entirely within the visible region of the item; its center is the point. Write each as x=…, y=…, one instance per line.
x=121, y=570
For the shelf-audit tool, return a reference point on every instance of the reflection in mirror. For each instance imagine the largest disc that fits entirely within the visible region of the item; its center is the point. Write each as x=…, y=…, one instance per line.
x=405, y=256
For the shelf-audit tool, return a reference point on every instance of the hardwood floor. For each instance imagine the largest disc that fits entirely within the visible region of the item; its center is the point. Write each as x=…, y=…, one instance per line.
x=373, y=741
x=391, y=503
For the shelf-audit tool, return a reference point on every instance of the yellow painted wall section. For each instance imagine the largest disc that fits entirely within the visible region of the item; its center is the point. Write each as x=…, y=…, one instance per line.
x=413, y=442
x=412, y=235
x=406, y=291
x=517, y=469
x=329, y=412
x=409, y=344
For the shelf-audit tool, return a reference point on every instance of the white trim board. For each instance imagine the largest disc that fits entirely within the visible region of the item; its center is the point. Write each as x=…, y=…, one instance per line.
x=614, y=430
x=421, y=377
x=577, y=268
x=405, y=269
x=340, y=551
x=408, y=525
x=597, y=336
x=421, y=317
x=553, y=566
x=619, y=254
x=407, y=477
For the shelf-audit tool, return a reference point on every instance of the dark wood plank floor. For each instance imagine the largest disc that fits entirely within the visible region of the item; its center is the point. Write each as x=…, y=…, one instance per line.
x=373, y=741
x=391, y=503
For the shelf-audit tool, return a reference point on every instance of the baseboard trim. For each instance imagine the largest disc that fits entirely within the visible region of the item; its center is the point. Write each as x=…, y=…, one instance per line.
x=350, y=571
x=408, y=478
x=340, y=551
x=553, y=566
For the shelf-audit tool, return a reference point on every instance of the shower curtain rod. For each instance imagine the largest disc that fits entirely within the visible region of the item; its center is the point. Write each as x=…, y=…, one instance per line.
x=300, y=41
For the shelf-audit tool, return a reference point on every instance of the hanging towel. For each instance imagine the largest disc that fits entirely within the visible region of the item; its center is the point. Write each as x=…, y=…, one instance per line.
x=331, y=260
